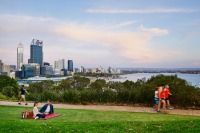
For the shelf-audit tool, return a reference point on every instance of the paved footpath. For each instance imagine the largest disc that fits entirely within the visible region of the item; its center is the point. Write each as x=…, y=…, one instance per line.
x=110, y=108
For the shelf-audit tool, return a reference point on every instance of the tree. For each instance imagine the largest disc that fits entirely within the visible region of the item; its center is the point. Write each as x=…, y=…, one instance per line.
x=98, y=84
x=80, y=82
x=8, y=86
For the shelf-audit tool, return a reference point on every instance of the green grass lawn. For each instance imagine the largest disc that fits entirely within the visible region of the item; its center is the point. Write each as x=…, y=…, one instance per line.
x=96, y=121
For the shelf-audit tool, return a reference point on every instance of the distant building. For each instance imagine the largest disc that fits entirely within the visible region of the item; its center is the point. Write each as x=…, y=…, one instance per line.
x=70, y=65
x=36, y=52
x=82, y=69
x=47, y=70
x=30, y=70
x=6, y=69
x=58, y=65
x=76, y=70
x=91, y=70
x=20, y=50
x=12, y=68
x=46, y=64
x=63, y=72
x=1, y=66
x=12, y=75
x=19, y=74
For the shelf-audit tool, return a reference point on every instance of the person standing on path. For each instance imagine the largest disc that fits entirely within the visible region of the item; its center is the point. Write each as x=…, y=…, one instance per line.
x=161, y=96
x=167, y=93
x=156, y=98
x=22, y=94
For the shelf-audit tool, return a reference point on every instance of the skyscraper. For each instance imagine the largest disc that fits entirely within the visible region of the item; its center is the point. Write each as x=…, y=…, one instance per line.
x=70, y=65
x=36, y=55
x=1, y=66
x=58, y=65
x=20, y=50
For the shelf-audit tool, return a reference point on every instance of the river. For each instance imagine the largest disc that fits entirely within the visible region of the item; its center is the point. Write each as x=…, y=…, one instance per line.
x=193, y=79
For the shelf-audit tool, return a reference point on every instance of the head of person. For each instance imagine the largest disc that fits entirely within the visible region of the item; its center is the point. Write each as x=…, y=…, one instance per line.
x=35, y=104
x=157, y=88
x=22, y=86
x=166, y=86
x=48, y=102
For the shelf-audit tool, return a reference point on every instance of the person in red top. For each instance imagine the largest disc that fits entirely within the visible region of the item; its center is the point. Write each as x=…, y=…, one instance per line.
x=167, y=93
x=161, y=96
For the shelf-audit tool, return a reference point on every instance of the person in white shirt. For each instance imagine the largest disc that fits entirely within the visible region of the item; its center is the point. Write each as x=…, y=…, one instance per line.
x=37, y=114
x=156, y=99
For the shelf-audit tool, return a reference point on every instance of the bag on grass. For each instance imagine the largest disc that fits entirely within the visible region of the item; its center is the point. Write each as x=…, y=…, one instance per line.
x=27, y=114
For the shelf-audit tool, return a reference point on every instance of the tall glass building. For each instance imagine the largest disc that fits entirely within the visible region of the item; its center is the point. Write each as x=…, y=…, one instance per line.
x=70, y=65
x=36, y=52
x=30, y=70
x=20, y=50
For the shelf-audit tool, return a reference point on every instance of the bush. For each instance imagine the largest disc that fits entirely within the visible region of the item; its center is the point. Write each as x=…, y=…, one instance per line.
x=78, y=90
x=3, y=97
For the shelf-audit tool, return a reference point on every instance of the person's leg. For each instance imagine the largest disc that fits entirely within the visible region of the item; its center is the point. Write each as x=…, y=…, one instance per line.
x=164, y=104
x=168, y=103
x=40, y=115
x=159, y=104
x=25, y=101
x=20, y=100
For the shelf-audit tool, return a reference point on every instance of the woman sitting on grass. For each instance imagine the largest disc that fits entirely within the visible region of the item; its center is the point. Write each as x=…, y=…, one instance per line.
x=37, y=114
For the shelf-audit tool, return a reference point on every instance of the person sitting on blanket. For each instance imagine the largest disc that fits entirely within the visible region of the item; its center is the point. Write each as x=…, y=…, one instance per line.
x=47, y=108
x=37, y=114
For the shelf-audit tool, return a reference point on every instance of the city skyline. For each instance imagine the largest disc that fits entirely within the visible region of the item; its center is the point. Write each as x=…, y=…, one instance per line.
x=130, y=33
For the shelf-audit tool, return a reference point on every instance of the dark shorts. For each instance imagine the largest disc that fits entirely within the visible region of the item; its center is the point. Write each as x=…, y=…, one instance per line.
x=166, y=99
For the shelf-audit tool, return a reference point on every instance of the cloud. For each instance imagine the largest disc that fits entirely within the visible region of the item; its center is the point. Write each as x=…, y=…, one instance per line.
x=132, y=45
x=154, y=31
x=139, y=11
x=123, y=24
x=85, y=43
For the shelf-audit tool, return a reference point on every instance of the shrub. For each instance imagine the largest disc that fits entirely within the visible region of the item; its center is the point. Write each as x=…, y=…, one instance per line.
x=3, y=97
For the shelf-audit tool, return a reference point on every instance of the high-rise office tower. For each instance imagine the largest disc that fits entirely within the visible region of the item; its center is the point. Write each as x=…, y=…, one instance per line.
x=70, y=65
x=20, y=50
x=1, y=66
x=60, y=64
x=36, y=55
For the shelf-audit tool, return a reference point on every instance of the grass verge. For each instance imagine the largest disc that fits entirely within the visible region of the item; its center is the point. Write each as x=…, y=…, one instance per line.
x=96, y=121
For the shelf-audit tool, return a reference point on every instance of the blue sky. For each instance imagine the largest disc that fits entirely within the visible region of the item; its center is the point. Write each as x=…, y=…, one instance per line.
x=116, y=33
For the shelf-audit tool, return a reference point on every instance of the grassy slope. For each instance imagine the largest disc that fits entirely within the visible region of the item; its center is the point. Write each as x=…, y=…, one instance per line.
x=97, y=121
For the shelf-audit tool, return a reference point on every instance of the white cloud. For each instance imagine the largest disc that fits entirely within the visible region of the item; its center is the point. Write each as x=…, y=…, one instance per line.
x=154, y=31
x=123, y=24
x=73, y=40
x=140, y=11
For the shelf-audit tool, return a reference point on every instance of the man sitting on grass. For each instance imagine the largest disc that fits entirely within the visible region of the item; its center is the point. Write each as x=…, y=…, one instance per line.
x=47, y=108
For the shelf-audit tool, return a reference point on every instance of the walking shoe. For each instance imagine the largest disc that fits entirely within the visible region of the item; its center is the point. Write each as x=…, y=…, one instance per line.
x=36, y=117
x=26, y=104
x=19, y=103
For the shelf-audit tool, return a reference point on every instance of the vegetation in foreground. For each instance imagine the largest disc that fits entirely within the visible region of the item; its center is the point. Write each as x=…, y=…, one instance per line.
x=80, y=90
x=97, y=121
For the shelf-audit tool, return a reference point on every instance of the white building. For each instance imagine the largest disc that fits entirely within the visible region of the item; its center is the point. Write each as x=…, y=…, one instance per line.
x=20, y=50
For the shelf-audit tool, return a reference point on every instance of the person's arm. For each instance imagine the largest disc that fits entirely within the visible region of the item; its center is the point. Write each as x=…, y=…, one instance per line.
x=19, y=93
x=27, y=92
x=169, y=93
x=43, y=109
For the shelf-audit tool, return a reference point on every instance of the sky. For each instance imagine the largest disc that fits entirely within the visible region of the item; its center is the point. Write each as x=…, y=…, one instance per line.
x=94, y=33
